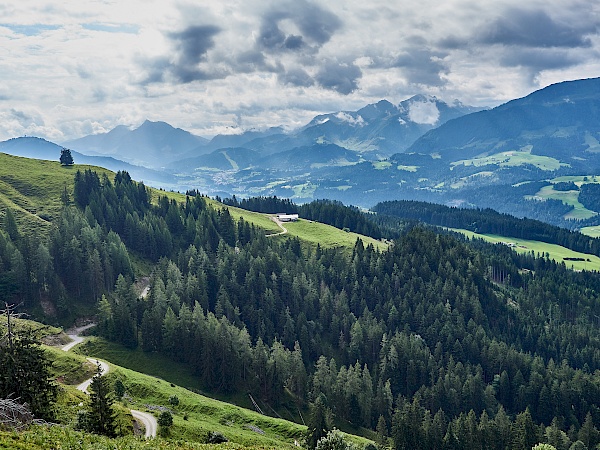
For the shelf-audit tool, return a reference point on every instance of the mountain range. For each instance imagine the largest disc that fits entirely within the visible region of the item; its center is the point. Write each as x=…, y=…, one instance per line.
x=508, y=157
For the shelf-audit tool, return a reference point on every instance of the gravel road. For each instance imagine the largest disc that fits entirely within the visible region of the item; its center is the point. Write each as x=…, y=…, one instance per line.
x=147, y=420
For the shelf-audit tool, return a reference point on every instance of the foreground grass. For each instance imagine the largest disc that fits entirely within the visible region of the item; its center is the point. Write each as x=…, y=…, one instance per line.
x=197, y=415
x=57, y=437
x=556, y=252
x=162, y=378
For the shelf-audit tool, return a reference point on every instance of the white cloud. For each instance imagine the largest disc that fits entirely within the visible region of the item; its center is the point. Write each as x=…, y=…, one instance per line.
x=423, y=112
x=345, y=117
x=80, y=67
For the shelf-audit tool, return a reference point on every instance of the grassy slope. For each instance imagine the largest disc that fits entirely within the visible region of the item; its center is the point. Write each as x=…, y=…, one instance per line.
x=512, y=159
x=243, y=428
x=591, y=231
x=32, y=189
x=579, y=212
x=557, y=253
x=306, y=230
x=326, y=235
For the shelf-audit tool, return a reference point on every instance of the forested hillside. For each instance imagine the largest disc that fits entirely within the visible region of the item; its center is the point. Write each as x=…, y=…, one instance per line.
x=486, y=221
x=434, y=342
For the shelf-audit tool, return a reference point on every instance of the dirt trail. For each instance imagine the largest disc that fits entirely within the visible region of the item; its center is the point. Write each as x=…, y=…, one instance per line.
x=147, y=420
x=278, y=222
x=74, y=334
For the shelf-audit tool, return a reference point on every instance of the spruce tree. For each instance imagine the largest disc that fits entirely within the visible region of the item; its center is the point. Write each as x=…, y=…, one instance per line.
x=66, y=159
x=101, y=414
x=318, y=424
x=24, y=371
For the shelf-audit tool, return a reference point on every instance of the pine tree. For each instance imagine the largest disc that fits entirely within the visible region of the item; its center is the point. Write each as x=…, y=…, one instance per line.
x=101, y=414
x=318, y=424
x=24, y=372
x=66, y=159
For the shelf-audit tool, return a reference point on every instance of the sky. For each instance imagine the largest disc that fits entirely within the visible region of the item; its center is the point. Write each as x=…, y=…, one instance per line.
x=74, y=68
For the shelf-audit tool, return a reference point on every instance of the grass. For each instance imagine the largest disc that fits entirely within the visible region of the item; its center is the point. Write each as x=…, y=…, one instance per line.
x=149, y=363
x=577, y=179
x=408, y=168
x=512, y=159
x=32, y=189
x=194, y=417
x=307, y=231
x=591, y=231
x=56, y=437
x=205, y=414
x=579, y=211
x=381, y=165
x=305, y=190
x=327, y=236
x=556, y=252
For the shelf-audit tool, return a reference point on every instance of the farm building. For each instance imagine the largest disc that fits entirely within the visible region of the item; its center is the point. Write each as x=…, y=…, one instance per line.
x=287, y=217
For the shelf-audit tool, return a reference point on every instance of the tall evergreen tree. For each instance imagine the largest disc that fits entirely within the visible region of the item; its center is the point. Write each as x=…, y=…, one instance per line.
x=66, y=159
x=24, y=372
x=318, y=424
x=101, y=414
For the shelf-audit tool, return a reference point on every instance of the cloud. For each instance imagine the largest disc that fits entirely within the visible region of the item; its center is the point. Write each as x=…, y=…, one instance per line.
x=308, y=25
x=340, y=77
x=421, y=66
x=345, y=117
x=296, y=77
x=423, y=112
x=535, y=29
x=190, y=47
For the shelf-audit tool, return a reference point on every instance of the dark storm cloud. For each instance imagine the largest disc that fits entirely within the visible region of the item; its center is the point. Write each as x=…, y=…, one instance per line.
x=421, y=66
x=540, y=59
x=342, y=78
x=252, y=61
x=296, y=77
x=191, y=46
x=316, y=24
x=190, y=49
x=536, y=29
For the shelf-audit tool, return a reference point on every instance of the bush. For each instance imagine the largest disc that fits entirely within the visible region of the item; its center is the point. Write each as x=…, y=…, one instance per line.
x=165, y=420
x=174, y=400
x=214, y=437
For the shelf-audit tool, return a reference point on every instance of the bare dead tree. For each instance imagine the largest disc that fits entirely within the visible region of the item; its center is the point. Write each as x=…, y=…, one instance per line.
x=16, y=416
x=9, y=312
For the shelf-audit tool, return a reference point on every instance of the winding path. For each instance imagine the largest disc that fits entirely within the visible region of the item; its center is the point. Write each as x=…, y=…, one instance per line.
x=278, y=222
x=147, y=420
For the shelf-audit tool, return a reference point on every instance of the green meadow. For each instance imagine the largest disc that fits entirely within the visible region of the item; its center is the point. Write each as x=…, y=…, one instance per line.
x=555, y=252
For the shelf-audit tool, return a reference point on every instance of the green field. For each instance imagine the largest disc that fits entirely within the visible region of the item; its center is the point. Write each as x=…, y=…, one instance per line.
x=514, y=158
x=577, y=179
x=381, y=165
x=327, y=236
x=193, y=418
x=408, y=168
x=579, y=211
x=591, y=231
x=32, y=189
x=555, y=252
